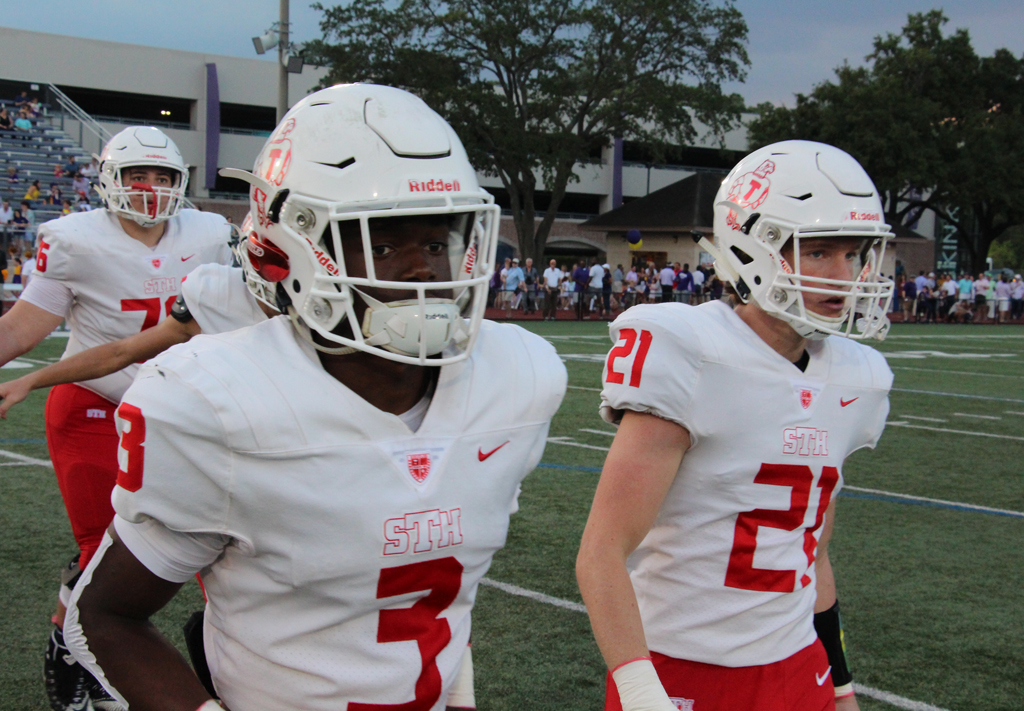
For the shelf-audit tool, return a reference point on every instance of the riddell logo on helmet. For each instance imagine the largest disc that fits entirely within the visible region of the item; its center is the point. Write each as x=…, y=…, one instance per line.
x=434, y=186
x=153, y=155
x=324, y=260
x=873, y=216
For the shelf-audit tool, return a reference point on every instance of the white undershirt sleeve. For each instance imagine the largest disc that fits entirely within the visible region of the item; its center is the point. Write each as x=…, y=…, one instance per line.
x=171, y=555
x=48, y=294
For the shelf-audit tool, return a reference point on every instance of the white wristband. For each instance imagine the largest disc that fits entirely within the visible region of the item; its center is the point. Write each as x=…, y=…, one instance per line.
x=640, y=688
x=460, y=695
x=210, y=705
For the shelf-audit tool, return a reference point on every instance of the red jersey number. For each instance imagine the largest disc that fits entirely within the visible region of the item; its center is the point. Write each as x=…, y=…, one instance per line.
x=41, y=258
x=629, y=337
x=133, y=442
x=152, y=308
x=419, y=623
x=741, y=572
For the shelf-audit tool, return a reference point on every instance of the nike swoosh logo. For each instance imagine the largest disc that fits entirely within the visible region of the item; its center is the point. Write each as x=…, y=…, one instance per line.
x=480, y=453
x=844, y=403
x=821, y=679
x=185, y=259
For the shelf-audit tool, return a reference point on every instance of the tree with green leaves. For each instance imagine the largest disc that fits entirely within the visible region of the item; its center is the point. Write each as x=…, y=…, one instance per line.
x=534, y=87
x=936, y=126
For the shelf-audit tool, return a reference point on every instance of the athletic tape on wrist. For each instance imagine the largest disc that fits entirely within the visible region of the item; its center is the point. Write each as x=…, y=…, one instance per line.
x=829, y=626
x=210, y=705
x=639, y=687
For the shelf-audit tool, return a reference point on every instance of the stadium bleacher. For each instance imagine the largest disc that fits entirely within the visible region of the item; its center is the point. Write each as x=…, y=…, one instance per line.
x=35, y=153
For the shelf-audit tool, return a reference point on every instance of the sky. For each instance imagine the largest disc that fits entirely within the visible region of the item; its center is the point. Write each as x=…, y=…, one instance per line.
x=792, y=44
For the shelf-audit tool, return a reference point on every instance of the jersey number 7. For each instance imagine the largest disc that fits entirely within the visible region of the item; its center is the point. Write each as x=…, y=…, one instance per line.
x=741, y=572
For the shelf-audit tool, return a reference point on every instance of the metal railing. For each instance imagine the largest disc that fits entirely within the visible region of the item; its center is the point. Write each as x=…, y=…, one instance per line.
x=85, y=121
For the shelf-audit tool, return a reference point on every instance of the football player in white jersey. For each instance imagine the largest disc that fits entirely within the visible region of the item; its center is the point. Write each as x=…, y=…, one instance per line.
x=214, y=299
x=110, y=273
x=340, y=476
x=704, y=562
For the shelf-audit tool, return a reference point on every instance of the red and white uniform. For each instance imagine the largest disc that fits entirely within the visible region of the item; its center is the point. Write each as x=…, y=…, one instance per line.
x=726, y=574
x=219, y=300
x=108, y=286
x=340, y=550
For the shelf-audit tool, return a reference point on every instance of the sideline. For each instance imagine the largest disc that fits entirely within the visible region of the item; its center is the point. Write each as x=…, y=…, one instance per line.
x=885, y=696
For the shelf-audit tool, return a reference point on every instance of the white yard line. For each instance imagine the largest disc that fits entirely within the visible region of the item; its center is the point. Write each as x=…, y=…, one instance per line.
x=926, y=419
x=958, y=504
x=568, y=441
x=979, y=417
x=22, y=459
x=580, y=387
x=600, y=432
x=885, y=696
x=1011, y=412
x=961, y=432
x=961, y=395
x=954, y=372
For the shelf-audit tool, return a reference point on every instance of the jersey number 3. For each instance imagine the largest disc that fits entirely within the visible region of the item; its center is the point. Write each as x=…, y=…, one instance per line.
x=629, y=337
x=419, y=623
x=741, y=572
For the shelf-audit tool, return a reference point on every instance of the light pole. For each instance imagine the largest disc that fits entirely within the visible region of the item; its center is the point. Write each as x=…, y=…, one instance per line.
x=278, y=36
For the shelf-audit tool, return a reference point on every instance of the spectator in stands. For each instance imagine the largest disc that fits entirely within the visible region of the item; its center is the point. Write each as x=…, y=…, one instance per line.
x=960, y=313
x=92, y=170
x=28, y=266
x=666, y=277
x=6, y=122
x=30, y=216
x=83, y=204
x=23, y=122
x=909, y=299
x=606, y=290
x=13, y=275
x=80, y=185
x=6, y=213
x=949, y=291
x=514, y=285
x=503, y=298
x=699, y=277
x=12, y=174
x=19, y=225
x=1017, y=298
x=33, y=107
x=966, y=287
x=1003, y=290
x=21, y=100
x=67, y=208
x=981, y=285
x=581, y=278
x=717, y=287
x=920, y=280
x=3, y=276
x=71, y=167
x=530, y=279
x=54, y=196
x=552, y=284
x=34, y=192
x=594, y=297
x=684, y=284
x=58, y=171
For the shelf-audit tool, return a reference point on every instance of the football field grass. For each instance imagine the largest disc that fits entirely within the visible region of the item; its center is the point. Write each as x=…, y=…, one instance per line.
x=928, y=546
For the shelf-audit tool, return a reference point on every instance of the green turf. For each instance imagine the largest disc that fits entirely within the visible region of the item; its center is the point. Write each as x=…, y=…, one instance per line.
x=931, y=595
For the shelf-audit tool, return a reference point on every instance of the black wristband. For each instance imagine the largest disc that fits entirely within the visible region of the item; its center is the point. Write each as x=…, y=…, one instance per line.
x=180, y=310
x=829, y=626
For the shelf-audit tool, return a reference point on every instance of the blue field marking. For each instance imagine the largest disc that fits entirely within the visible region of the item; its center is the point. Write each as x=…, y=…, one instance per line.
x=892, y=499
x=22, y=441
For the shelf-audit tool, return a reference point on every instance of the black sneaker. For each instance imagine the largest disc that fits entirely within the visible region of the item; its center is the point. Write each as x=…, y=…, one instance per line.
x=100, y=699
x=64, y=676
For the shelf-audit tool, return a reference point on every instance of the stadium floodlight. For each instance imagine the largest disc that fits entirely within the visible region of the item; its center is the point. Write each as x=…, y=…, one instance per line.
x=268, y=40
x=294, y=64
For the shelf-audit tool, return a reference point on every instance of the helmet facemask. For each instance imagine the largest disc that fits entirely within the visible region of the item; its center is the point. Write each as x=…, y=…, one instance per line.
x=143, y=203
x=336, y=291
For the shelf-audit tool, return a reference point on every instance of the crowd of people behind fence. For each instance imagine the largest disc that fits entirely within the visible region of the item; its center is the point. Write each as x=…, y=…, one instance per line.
x=596, y=290
x=928, y=298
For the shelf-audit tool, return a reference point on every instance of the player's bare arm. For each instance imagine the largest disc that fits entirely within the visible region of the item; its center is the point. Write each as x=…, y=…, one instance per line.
x=641, y=466
x=23, y=327
x=99, y=361
x=114, y=611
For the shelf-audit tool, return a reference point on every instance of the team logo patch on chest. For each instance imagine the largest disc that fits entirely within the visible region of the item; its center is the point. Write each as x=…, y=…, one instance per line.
x=806, y=393
x=423, y=531
x=419, y=466
x=805, y=442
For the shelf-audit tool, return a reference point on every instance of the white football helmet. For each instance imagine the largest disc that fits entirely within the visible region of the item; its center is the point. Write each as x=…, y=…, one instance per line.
x=340, y=159
x=791, y=191
x=141, y=146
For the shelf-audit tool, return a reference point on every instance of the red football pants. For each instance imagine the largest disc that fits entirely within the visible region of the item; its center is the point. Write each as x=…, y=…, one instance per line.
x=798, y=683
x=83, y=442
